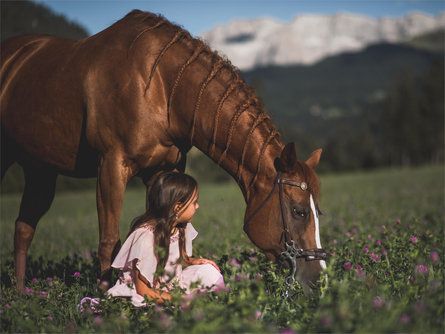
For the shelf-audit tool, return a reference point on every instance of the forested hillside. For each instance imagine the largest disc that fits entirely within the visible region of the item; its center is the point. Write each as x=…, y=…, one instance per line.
x=381, y=106
x=26, y=17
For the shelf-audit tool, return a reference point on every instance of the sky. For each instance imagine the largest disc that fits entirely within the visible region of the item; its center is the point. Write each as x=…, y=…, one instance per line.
x=198, y=16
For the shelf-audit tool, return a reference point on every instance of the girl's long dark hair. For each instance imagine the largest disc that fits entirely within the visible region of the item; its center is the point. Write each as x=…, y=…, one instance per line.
x=167, y=190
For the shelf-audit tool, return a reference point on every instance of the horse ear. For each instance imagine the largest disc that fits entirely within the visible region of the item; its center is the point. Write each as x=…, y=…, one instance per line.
x=314, y=158
x=288, y=159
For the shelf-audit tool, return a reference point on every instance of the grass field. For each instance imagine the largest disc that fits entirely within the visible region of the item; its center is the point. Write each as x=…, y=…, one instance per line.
x=384, y=231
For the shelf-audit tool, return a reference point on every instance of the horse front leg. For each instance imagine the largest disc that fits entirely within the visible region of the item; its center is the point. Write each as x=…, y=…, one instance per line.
x=111, y=183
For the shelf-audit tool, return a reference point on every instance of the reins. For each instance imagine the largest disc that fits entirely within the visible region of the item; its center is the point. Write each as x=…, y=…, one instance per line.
x=291, y=252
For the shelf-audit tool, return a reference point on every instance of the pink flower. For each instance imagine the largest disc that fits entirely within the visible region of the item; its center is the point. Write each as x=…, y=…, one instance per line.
x=34, y=280
x=434, y=256
x=220, y=288
x=326, y=320
x=366, y=249
x=354, y=231
x=257, y=314
x=287, y=331
x=374, y=257
x=378, y=302
x=404, y=319
x=414, y=239
x=384, y=252
x=76, y=274
x=348, y=234
x=49, y=278
x=234, y=262
x=378, y=243
x=421, y=269
x=347, y=266
x=241, y=277
x=28, y=291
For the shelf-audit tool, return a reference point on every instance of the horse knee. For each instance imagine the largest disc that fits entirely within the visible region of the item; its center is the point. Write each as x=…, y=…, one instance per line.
x=24, y=233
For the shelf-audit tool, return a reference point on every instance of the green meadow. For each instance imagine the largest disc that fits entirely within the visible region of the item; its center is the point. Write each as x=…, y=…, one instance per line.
x=383, y=231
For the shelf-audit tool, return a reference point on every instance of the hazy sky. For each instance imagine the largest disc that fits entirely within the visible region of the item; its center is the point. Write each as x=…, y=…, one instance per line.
x=198, y=16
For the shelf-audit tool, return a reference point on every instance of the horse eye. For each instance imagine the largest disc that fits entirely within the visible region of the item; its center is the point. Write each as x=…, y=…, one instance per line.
x=298, y=213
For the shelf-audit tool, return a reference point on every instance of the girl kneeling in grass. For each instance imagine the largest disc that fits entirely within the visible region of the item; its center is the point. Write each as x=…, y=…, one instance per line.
x=161, y=241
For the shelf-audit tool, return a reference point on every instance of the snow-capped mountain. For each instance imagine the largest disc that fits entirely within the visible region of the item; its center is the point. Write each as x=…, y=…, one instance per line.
x=310, y=38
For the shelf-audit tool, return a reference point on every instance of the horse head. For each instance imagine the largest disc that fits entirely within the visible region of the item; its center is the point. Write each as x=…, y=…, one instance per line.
x=282, y=216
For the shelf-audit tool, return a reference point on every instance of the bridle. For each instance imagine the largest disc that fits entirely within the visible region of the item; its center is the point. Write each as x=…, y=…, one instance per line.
x=291, y=253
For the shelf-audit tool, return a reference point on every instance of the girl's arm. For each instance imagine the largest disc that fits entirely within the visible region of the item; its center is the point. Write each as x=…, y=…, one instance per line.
x=193, y=260
x=143, y=288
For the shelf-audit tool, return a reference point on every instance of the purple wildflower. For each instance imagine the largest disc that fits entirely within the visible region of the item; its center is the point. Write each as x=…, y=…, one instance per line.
x=434, y=256
x=378, y=302
x=374, y=257
x=421, y=269
x=287, y=331
x=326, y=320
x=404, y=319
x=234, y=262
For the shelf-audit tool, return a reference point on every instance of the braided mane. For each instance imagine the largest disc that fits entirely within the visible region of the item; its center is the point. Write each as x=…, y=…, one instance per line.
x=150, y=22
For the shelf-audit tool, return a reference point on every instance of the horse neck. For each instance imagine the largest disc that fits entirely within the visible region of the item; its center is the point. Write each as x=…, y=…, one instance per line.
x=217, y=113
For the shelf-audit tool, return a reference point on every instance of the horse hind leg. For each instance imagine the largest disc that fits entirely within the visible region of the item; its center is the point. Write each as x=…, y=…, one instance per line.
x=37, y=197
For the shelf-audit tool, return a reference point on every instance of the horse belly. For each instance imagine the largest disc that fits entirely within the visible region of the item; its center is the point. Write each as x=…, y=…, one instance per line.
x=42, y=103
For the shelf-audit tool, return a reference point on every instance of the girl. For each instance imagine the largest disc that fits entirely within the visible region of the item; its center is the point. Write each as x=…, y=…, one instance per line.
x=158, y=248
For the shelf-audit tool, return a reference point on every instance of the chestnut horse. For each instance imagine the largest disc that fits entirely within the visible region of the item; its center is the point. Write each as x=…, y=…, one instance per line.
x=131, y=101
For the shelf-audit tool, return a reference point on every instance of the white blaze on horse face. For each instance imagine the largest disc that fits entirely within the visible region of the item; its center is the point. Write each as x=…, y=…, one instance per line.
x=317, y=231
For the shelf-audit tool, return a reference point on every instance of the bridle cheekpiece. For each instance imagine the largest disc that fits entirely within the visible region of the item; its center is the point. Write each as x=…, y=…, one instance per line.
x=291, y=253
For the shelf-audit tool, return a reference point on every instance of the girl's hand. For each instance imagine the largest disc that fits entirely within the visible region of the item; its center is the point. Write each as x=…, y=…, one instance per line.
x=204, y=261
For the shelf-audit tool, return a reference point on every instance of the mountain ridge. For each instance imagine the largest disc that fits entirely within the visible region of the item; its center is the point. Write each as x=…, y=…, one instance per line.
x=309, y=38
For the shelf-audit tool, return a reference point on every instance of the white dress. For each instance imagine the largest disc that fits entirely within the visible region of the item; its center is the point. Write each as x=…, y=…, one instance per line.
x=140, y=246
